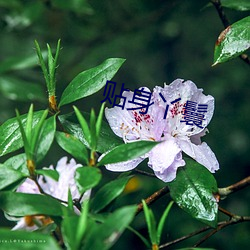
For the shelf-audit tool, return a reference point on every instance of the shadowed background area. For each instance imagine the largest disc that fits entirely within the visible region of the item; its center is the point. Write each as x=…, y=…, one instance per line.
x=161, y=41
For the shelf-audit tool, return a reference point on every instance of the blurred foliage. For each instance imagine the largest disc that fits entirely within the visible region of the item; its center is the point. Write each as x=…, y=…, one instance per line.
x=161, y=41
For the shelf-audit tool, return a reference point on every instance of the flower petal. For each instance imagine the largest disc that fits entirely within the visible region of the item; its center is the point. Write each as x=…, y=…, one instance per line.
x=59, y=189
x=29, y=187
x=165, y=158
x=131, y=124
x=125, y=166
x=186, y=91
x=201, y=153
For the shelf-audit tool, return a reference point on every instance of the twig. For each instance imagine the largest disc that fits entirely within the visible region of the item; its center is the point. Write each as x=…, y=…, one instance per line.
x=152, y=198
x=204, y=229
x=235, y=220
x=224, y=211
x=223, y=192
x=222, y=15
x=226, y=23
x=144, y=173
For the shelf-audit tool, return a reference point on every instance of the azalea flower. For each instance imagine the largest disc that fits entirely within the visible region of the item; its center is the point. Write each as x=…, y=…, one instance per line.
x=58, y=189
x=176, y=136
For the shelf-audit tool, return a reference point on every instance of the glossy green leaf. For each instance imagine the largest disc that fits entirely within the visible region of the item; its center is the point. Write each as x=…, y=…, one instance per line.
x=90, y=81
x=16, y=240
x=53, y=174
x=233, y=41
x=105, y=235
x=108, y=193
x=19, y=90
x=241, y=5
x=127, y=152
x=10, y=136
x=107, y=139
x=46, y=138
x=84, y=125
x=87, y=177
x=193, y=191
x=18, y=162
x=20, y=204
x=8, y=176
x=73, y=146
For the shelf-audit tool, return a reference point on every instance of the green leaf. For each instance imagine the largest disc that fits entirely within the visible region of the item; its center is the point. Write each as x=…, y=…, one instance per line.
x=37, y=132
x=18, y=162
x=10, y=136
x=73, y=146
x=92, y=128
x=19, y=90
x=107, y=139
x=42, y=64
x=69, y=230
x=20, y=204
x=127, y=152
x=241, y=5
x=74, y=228
x=87, y=177
x=108, y=193
x=193, y=191
x=162, y=221
x=233, y=41
x=99, y=121
x=8, y=176
x=16, y=240
x=84, y=125
x=82, y=223
x=46, y=138
x=53, y=174
x=151, y=223
x=105, y=235
x=90, y=81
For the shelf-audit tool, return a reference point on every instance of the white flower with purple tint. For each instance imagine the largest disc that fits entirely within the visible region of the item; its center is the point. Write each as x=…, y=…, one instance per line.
x=165, y=121
x=58, y=189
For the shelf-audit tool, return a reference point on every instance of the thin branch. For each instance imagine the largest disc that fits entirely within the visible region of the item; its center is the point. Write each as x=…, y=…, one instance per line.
x=222, y=15
x=226, y=23
x=224, y=211
x=152, y=198
x=144, y=173
x=235, y=220
x=204, y=229
x=223, y=192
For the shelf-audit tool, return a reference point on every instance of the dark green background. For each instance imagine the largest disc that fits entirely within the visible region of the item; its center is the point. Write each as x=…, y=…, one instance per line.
x=162, y=41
